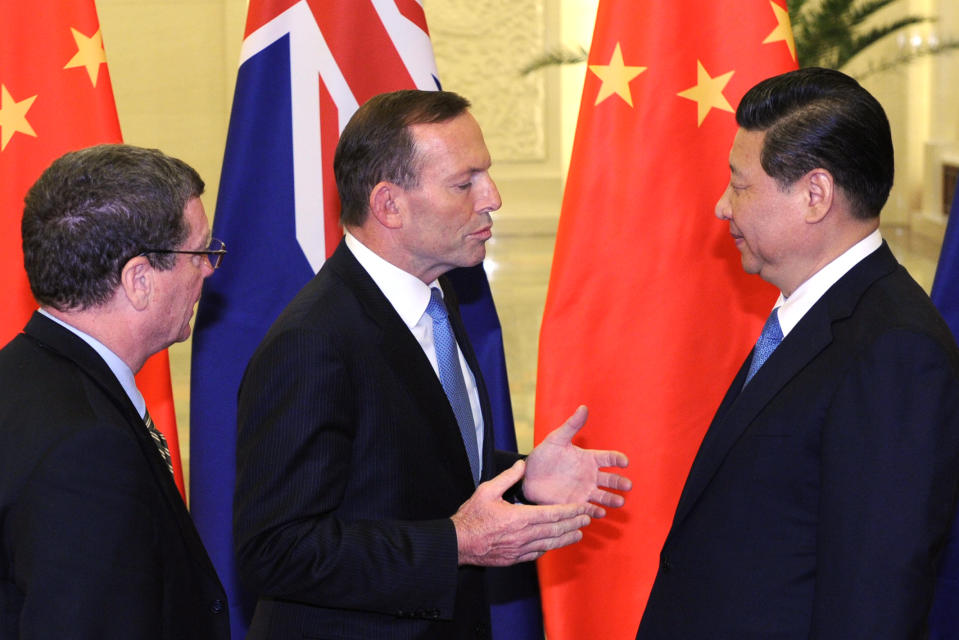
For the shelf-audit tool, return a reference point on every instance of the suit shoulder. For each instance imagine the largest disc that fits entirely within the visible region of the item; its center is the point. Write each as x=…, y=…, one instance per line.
x=324, y=301
x=897, y=303
x=43, y=387
x=323, y=317
x=48, y=401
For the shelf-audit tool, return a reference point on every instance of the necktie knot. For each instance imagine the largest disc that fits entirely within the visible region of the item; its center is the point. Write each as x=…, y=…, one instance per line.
x=436, y=309
x=769, y=339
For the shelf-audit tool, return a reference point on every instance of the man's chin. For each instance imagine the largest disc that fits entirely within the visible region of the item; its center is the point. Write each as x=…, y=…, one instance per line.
x=749, y=264
x=185, y=334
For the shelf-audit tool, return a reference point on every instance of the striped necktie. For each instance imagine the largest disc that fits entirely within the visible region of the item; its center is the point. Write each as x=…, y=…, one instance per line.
x=160, y=441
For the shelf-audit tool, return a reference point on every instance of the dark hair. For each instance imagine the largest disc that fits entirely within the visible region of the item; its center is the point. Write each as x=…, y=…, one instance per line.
x=94, y=209
x=821, y=118
x=377, y=145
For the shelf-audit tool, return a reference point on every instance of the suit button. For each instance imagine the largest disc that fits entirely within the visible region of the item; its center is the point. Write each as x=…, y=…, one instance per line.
x=665, y=563
x=217, y=606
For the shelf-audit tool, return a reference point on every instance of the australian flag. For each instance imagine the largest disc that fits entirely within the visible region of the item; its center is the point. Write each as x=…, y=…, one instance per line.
x=305, y=67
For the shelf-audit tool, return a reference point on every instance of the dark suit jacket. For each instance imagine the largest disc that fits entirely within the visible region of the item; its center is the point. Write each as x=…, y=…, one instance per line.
x=349, y=466
x=96, y=541
x=820, y=498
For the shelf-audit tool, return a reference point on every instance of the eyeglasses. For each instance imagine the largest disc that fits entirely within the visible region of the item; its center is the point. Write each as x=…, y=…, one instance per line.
x=214, y=253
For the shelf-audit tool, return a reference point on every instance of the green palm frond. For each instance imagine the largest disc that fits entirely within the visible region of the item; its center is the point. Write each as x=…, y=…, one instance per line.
x=863, y=40
x=865, y=10
x=878, y=66
x=560, y=55
x=831, y=33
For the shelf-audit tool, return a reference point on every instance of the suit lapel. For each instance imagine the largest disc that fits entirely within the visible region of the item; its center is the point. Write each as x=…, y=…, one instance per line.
x=808, y=339
x=410, y=365
x=55, y=338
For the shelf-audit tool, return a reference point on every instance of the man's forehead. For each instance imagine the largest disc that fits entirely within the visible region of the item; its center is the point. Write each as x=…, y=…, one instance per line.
x=746, y=146
x=451, y=147
x=195, y=216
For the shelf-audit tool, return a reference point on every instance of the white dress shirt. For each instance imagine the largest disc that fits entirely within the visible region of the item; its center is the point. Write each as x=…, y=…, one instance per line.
x=793, y=308
x=410, y=296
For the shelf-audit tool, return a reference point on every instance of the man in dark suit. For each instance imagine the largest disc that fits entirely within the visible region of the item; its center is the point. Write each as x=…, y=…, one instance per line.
x=357, y=510
x=819, y=500
x=96, y=542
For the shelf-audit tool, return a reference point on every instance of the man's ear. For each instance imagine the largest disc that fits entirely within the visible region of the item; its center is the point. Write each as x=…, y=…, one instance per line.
x=385, y=204
x=136, y=280
x=819, y=190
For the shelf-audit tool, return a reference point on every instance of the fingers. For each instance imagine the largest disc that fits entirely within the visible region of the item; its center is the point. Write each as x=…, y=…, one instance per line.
x=595, y=511
x=614, y=481
x=607, y=498
x=503, y=534
x=611, y=459
x=545, y=536
x=558, y=515
x=565, y=540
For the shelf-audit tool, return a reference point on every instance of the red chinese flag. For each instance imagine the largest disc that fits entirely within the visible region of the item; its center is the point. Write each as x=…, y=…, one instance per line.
x=649, y=314
x=55, y=96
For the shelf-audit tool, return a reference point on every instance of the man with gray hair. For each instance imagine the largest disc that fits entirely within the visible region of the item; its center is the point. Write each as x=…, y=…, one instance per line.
x=95, y=540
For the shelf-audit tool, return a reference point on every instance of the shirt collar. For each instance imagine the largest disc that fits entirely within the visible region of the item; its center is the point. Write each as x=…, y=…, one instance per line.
x=793, y=308
x=407, y=293
x=123, y=373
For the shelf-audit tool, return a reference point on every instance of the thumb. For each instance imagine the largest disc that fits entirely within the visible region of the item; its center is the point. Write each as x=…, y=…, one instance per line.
x=501, y=483
x=573, y=424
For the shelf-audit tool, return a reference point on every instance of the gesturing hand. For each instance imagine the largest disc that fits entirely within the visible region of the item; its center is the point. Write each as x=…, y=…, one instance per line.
x=559, y=472
x=494, y=533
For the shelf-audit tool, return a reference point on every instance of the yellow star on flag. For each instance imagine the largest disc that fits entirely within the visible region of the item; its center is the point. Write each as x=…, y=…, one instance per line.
x=90, y=54
x=783, y=30
x=13, y=117
x=708, y=92
x=616, y=77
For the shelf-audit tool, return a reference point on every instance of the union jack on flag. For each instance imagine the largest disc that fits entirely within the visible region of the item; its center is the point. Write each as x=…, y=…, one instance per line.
x=305, y=67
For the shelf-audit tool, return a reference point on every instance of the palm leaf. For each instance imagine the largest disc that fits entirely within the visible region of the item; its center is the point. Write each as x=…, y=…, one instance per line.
x=865, y=10
x=861, y=41
x=873, y=68
x=831, y=33
x=560, y=55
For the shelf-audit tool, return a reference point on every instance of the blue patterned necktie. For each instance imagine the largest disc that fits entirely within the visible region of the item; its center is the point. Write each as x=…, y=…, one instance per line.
x=451, y=377
x=769, y=339
x=160, y=442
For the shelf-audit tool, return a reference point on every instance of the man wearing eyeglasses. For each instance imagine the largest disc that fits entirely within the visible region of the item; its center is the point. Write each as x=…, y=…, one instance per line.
x=95, y=540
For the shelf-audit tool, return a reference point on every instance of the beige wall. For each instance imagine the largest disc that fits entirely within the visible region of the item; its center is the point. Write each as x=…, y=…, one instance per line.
x=173, y=65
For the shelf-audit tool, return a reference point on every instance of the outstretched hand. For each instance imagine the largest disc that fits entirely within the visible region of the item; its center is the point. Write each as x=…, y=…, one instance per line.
x=492, y=532
x=559, y=472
